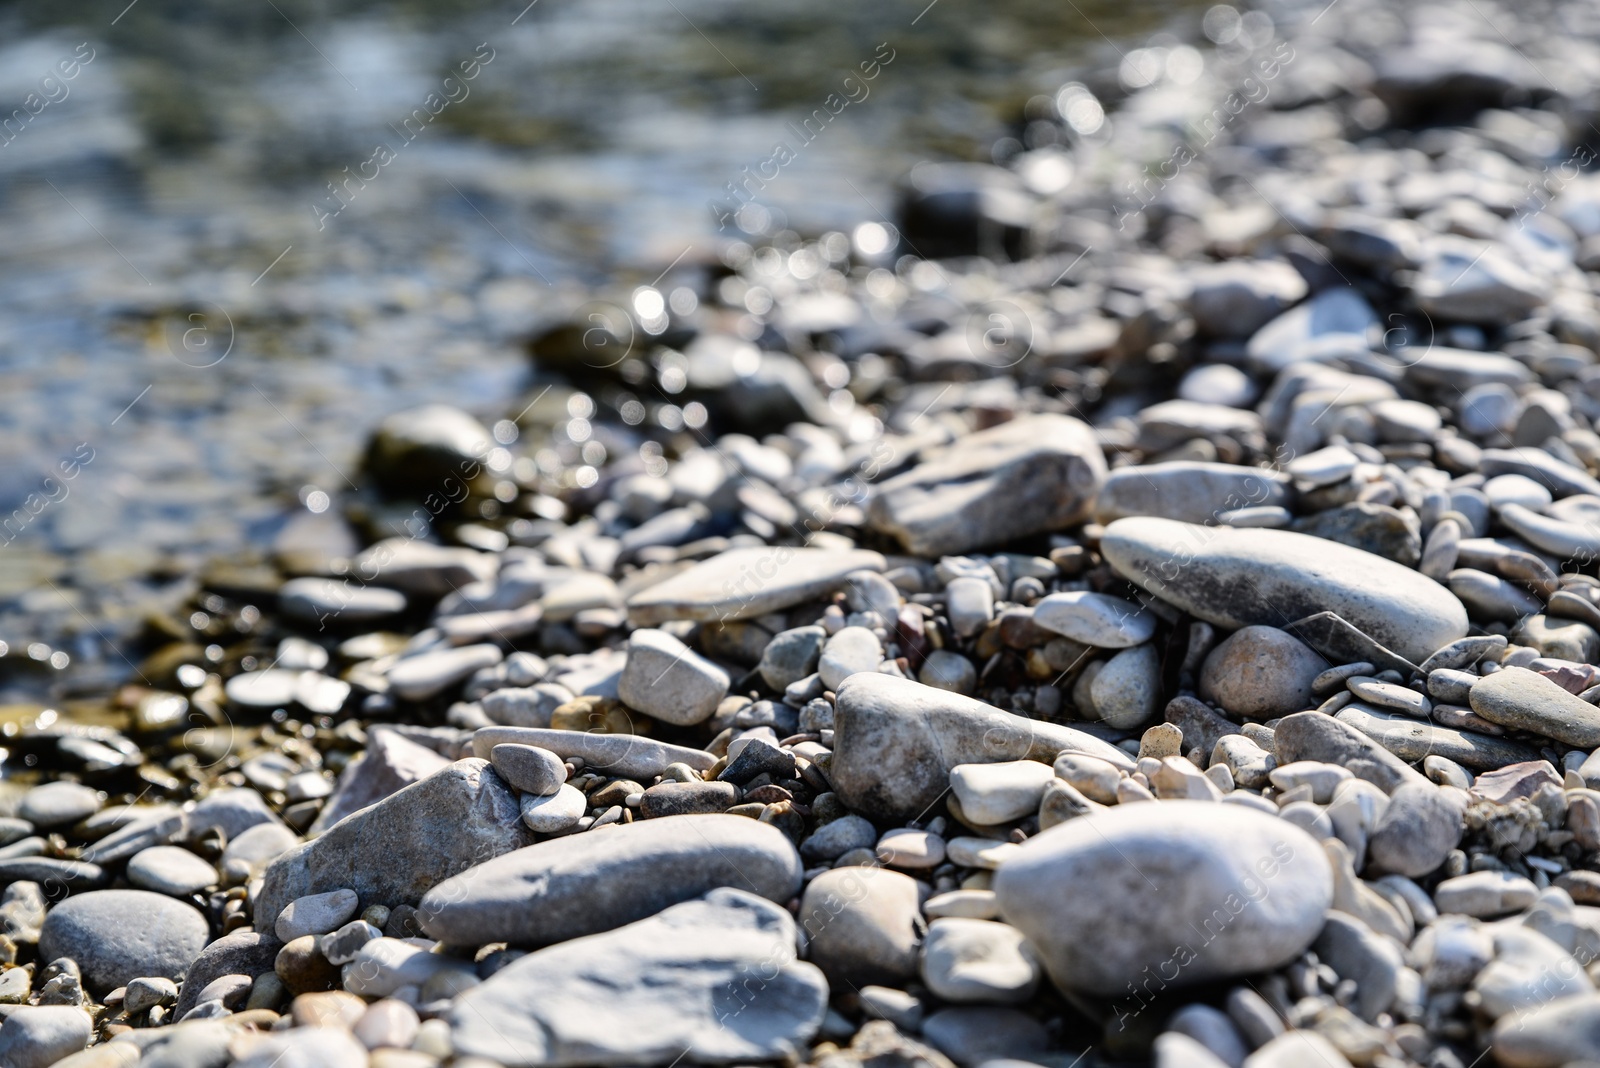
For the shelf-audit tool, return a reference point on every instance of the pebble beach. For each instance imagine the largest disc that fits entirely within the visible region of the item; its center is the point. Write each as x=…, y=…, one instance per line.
x=1133, y=603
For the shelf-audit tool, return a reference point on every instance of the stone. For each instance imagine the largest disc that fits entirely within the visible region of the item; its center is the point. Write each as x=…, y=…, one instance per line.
x=863, y=925
x=1095, y=619
x=1212, y=1030
x=896, y=742
x=1126, y=692
x=413, y=452
x=1236, y=578
x=624, y=755
x=791, y=655
x=1296, y=1049
x=1175, y=1050
x=1525, y=700
x=1505, y=785
x=1315, y=736
x=973, y=1035
x=391, y=761
x=1332, y=321
x=1092, y=776
x=1414, y=740
x=946, y=670
x=1484, y=894
x=748, y=582
x=40, y=1036
x=837, y=837
x=241, y=952
x=147, y=992
x=1355, y=952
x=1031, y=475
x=1562, y=1031
x=910, y=849
x=667, y=680
x=1322, y=779
x=256, y=848
x=383, y=966
x=992, y=794
x=977, y=960
x=1261, y=673
x=852, y=650
x=1527, y=970
x=326, y=601
x=170, y=870
x=1374, y=528
x=395, y=851
x=389, y=1023
x=1417, y=831
x=58, y=804
x=303, y=968
x=579, y=885
x=1235, y=298
x=427, y=674
x=120, y=935
x=1189, y=491
x=554, y=813
x=1104, y=896
x=651, y=992
x=529, y=769
x=305, y=1047
x=317, y=914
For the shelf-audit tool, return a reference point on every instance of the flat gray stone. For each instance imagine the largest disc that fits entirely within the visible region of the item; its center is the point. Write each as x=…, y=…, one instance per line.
x=424, y=675
x=39, y=1036
x=896, y=742
x=1414, y=740
x=119, y=935
x=680, y=984
x=1031, y=475
x=744, y=583
x=242, y=952
x=170, y=870
x=627, y=756
x=1527, y=701
x=1563, y=1031
x=394, y=852
x=1317, y=736
x=529, y=769
x=863, y=925
x=1237, y=578
x=1229, y=890
x=1417, y=830
x=792, y=655
x=582, y=884
x=58, y=804
x=331, y=602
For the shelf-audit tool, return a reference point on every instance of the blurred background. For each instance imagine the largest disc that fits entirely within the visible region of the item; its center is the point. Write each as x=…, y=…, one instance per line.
x=205, y=329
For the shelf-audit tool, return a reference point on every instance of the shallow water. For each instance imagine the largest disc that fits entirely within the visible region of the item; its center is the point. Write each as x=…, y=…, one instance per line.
x=203, y=333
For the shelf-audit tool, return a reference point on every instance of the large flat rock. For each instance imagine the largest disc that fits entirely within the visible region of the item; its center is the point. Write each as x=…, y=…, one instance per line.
x=1238, y=578
x=397, y=850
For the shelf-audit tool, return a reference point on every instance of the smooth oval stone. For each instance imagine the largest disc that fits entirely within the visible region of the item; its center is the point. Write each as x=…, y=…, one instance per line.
x=896, y=741
x=529, y=769
x=1192, y=491
x=553, y=813
x=1096, y=619
x=1235, y=578
x=1127, y=690
x=268, y=688
x=39, y=1036
x=416, y=678
x=1560, y=537
x=1550, y=1033
x=584, y=883
x=57, y=804
x=1261, y=673
x=170, y=870
x=119, y=935
x=1527, y=701
x=852, y=650
x=1202, y=890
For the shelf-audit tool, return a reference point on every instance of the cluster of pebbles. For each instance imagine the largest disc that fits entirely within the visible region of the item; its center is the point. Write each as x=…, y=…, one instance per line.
x=1158, y=630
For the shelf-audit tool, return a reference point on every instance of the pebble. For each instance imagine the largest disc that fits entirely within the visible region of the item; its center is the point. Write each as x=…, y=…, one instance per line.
x=40, y=1036
x=1031, y=475
x=946, y=670
x=863, y=925
x=1190, y=491
x=1126, y=693
x=1106, y=872
x=120, y=935
x=791, y=655
x=57, y=804
x=992, y=794
x=529, y=769
x=1561, y=1031
x=629, y=755
x=1525, y=700
x=554, y=813
x=966, y=960
x=1417, y=831
x=600, y=998
x=316, y=914
x=388, y=1023
x=896, y=742
x=1095, y=619
x=1261, y=673
x=1484, y=894
x=568, y=887
x=852, y=650
x=748, y=582
x=345, y=604
x=1237, y=578
x=667, y=680
x=973, y=1035
x=424, y=675
x=170, y=870
x=911, y=850
x=1321, y=779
